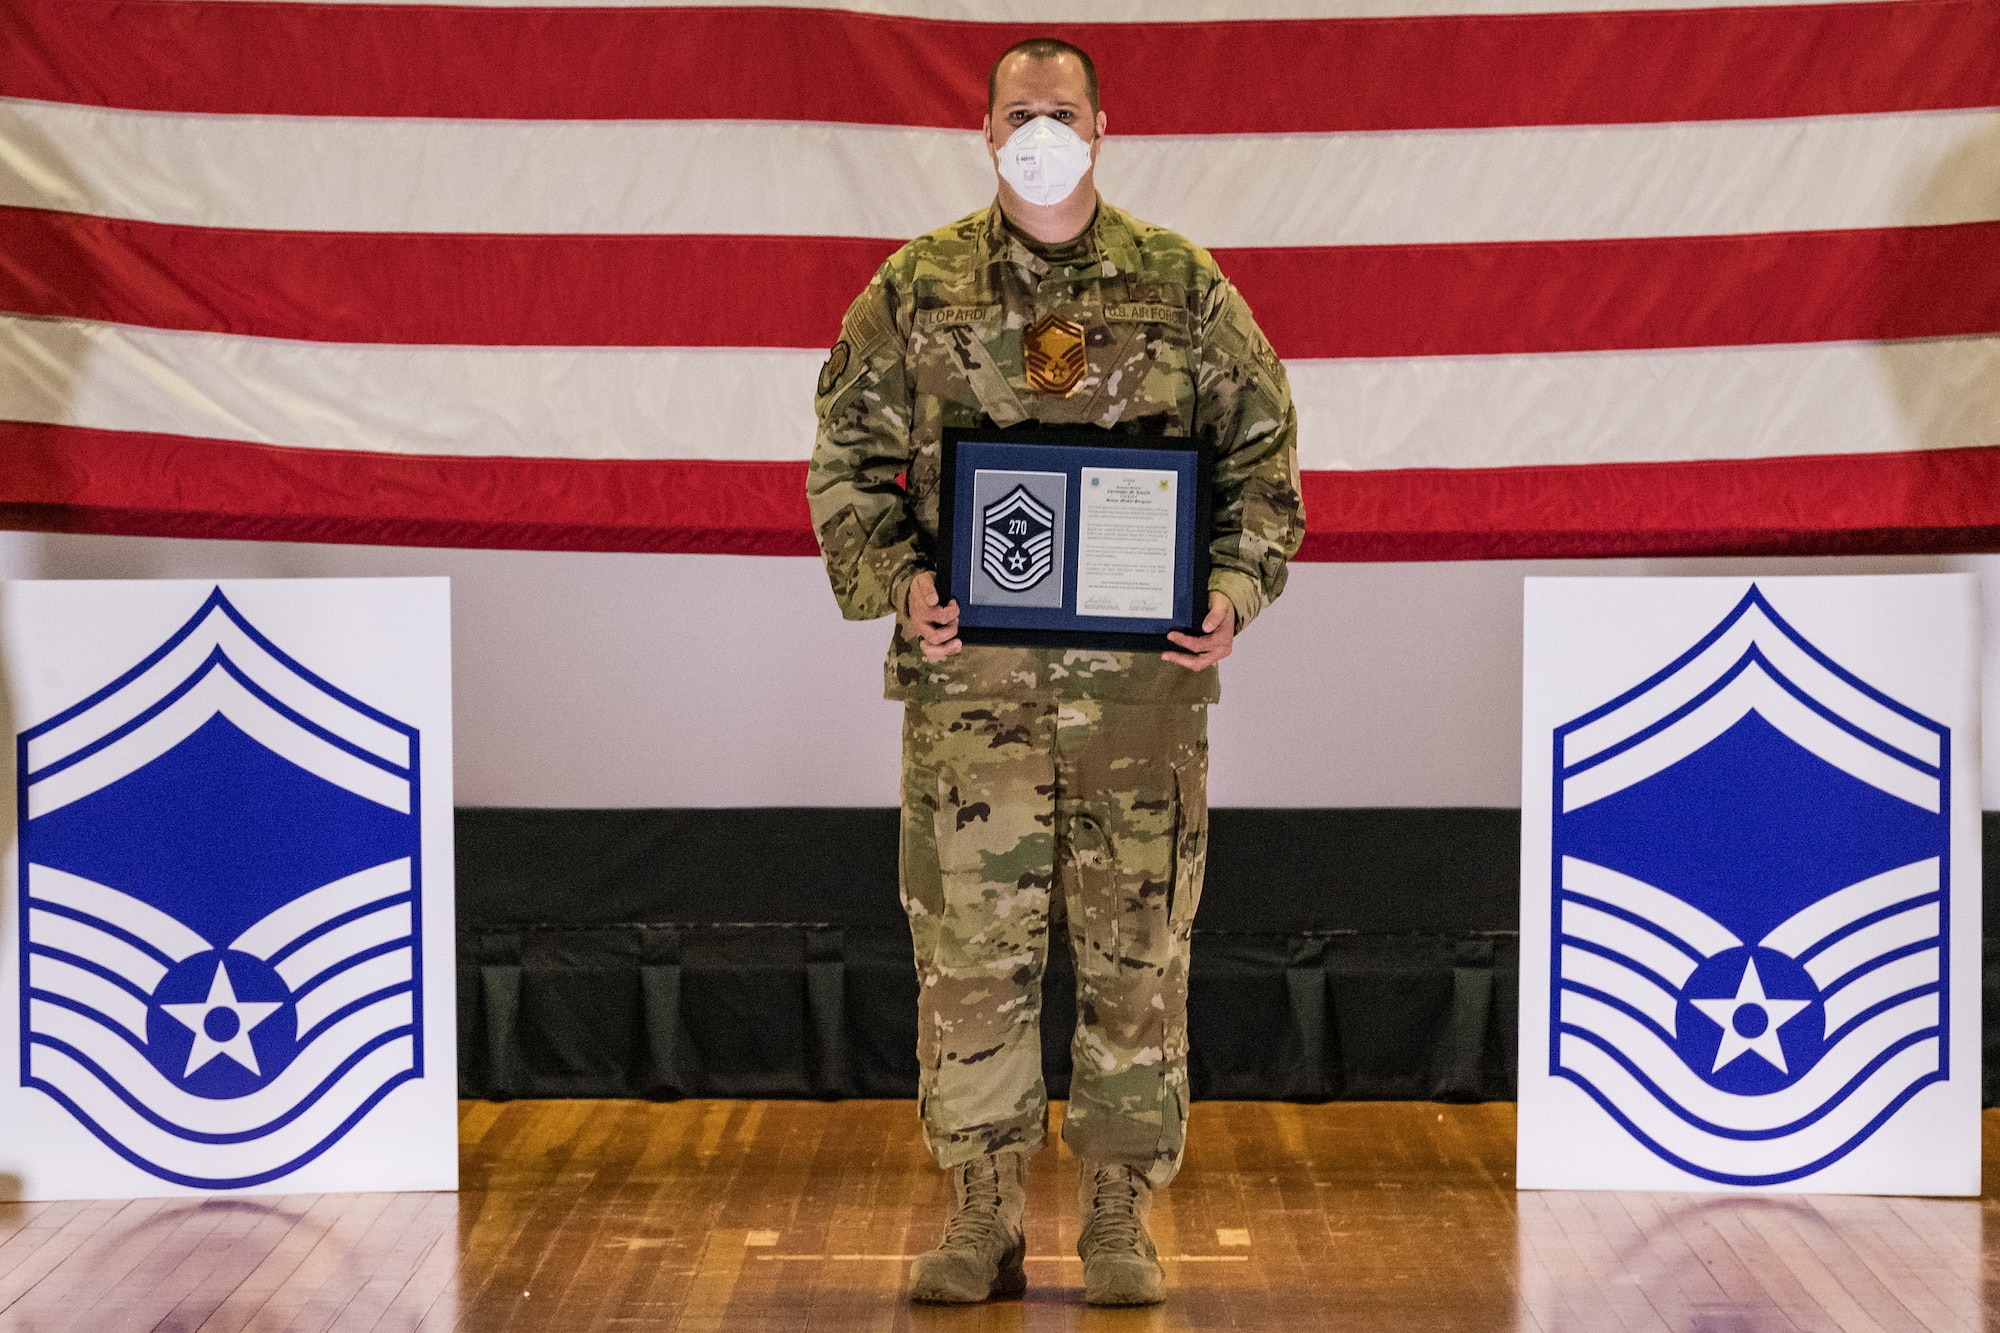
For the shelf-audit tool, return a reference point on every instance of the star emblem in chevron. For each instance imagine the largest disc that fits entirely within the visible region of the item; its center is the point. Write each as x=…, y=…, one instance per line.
x=1750, y=880
x=222, y=886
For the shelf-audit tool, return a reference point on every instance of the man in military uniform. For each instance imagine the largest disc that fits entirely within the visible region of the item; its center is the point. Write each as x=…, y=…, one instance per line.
x=1046, y=785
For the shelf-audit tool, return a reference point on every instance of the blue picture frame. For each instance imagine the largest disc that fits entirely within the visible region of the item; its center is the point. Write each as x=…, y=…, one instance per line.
x=1059, y=457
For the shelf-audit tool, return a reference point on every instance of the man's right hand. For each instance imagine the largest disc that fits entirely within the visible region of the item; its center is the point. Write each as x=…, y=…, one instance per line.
x=936, y=626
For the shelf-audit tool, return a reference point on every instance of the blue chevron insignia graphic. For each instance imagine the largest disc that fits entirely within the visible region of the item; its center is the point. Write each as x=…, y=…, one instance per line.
x=219, y=888
x=1751, y=874
x=1017, y=540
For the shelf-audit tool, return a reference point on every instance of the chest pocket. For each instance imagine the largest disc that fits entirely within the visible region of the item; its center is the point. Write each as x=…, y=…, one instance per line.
x=1145, y=365
x=961, y=360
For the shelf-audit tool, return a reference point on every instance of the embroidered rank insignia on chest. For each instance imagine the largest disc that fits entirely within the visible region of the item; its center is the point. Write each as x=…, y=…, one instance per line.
x=1052, y=354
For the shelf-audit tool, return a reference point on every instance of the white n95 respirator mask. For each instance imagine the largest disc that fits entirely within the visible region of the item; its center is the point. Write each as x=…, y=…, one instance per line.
x=1043, y=161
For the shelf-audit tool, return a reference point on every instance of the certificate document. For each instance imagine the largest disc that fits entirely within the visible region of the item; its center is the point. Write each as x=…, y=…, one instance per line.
x=1126, y=530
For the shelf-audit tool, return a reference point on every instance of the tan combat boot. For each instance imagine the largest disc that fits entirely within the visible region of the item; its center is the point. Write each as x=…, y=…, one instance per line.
x=980, y=1256
x=1120, y=1265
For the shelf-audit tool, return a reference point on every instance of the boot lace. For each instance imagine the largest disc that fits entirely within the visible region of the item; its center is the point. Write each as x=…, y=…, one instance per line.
x=976, y=1223
x=1114, y=1211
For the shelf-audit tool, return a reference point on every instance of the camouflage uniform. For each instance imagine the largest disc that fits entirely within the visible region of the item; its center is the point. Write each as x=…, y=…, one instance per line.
x=1031, y=769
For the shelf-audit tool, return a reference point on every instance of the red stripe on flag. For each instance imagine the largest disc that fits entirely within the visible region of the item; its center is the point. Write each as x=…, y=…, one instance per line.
x=73, y=479
x=1583, y=296
x=782, y=291
x=1933, y=501
x=69, y=479
x=1268, y=76
x=374, y=287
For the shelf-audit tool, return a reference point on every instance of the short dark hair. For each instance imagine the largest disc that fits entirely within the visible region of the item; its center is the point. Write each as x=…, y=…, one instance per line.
x=1044, y=48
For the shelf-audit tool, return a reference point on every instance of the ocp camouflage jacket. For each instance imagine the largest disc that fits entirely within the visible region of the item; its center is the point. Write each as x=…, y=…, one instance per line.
x=935, y=341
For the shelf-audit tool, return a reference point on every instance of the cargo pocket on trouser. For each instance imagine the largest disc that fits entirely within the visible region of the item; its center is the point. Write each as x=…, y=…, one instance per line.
x=1190, y=839
x=1190, y=863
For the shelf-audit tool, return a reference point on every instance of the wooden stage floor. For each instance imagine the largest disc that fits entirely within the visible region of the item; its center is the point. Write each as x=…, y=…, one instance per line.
x=801, y=1215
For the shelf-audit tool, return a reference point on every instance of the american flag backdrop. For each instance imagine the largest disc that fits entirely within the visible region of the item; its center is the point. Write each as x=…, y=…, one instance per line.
x=1548, y=281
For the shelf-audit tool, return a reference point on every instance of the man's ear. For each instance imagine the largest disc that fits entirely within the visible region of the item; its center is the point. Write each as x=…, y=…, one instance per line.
x=1101, y=122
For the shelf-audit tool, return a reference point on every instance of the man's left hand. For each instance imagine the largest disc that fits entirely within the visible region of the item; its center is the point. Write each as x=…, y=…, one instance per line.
x=1217, y=637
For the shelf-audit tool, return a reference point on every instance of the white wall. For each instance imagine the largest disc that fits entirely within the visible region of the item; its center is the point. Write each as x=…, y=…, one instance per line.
x=656, y=680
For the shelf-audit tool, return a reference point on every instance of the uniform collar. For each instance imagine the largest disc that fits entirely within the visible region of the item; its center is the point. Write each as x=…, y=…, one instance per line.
x=1111, y=230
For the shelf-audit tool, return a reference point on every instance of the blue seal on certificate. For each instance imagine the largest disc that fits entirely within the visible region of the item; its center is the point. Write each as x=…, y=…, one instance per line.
x=1073, y=537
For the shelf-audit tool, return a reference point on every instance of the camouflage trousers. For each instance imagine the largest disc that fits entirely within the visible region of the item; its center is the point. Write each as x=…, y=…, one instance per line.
x=1020, y=816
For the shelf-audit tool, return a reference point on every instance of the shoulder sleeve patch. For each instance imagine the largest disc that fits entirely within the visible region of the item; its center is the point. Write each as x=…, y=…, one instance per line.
x=1268, y=359
x=835, y=367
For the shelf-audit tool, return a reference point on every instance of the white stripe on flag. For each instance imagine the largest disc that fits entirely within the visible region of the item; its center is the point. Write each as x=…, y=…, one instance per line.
x=718, y=177
x=1664, y=406
x=562, y=402
x=756, y=403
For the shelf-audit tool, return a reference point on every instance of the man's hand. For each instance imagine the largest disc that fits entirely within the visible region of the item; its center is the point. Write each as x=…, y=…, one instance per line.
x=1218, y=636
x=936, y=626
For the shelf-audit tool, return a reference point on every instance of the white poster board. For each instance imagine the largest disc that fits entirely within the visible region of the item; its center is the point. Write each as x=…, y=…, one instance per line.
x=1750, y=885
x=226, y=926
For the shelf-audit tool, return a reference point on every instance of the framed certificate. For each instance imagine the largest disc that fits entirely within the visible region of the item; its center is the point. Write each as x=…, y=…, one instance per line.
x=1073, y=537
